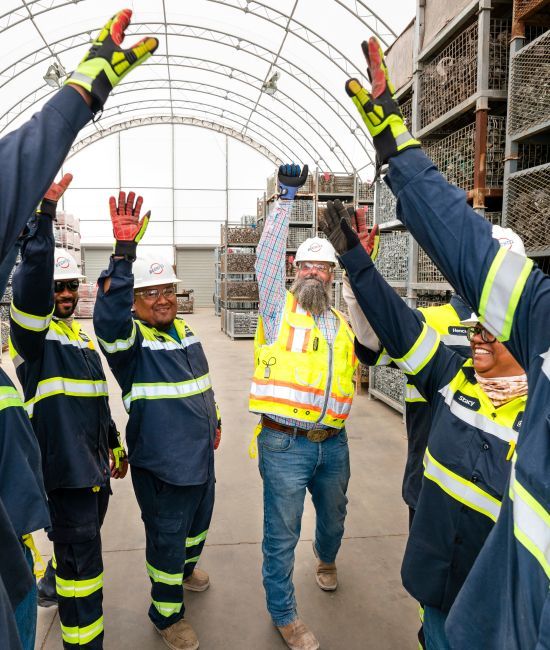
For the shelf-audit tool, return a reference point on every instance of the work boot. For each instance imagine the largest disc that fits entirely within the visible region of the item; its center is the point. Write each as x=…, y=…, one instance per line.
x=179, y=636
x=298, y=636
x=197, y=581
x=47, y=594
x=325, y=574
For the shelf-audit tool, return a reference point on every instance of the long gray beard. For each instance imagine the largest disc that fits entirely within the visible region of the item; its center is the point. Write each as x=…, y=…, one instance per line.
x=312, y=294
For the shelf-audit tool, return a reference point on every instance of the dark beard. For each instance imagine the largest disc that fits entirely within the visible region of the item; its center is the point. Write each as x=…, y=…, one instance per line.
x=312, y=294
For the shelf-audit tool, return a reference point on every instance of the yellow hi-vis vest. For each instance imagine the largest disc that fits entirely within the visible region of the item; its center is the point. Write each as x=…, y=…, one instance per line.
x=300, y=376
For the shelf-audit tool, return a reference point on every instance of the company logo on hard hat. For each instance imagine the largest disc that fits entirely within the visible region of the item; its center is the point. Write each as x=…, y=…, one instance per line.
x=156, y=268
x=505, y=242
x=315, y=247
x=62, y=263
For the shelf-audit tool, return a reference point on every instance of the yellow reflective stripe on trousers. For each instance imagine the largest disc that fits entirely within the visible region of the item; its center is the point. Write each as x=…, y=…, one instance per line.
x=170, y=390
x=460, y=489
x=161, y=576
x=29, y=321
x=531, y=523
x=167, y=609
x=120, y=344
x=421, y=352
x=193, y=541
x=412, y=394
x=82, y=635
x=9, y=397
x=78, y=588
x=193, y=559
x=67, y=386
x=502, y=291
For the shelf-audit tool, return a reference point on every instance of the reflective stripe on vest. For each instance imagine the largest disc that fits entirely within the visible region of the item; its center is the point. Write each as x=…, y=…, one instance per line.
x=477, y=419
x=169, y=345
x=412, y=394
x=167, y=390
x=531, y=523
x=9, y=397
x=502, y=291
x=52, y=335
x=421, y=352
x=120, y=344
x=63, y=385
x=283, y=393
x=460, y=489
x=29, y=321
x=82, y=635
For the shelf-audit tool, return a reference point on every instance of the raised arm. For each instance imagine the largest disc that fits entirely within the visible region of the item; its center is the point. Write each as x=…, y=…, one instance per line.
x=31, y=156
x=271, y=251
x=33, y=291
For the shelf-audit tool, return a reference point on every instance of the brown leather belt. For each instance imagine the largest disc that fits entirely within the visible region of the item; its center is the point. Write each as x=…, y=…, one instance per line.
x=313, y=435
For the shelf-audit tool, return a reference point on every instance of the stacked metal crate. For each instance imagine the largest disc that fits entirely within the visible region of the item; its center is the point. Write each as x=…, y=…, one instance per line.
x=217, y=281
x=238, y=286
x=527, y=174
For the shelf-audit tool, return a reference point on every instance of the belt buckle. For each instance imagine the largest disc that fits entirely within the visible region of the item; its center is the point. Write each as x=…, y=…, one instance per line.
x=317, y=435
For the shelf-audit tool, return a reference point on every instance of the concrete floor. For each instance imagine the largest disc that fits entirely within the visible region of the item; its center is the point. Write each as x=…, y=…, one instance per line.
x=369, y=610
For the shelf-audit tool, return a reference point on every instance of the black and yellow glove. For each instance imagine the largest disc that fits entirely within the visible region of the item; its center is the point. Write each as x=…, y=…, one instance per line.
x=107, y=63
x=379, y=110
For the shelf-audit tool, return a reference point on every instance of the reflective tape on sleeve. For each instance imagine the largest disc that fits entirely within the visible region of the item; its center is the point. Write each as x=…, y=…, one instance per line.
x=66, y=386
x=120, y=344
x=421, y=352
x=531, y=523
x=412, y=394
x=502, y=291
x=29, y=321
x=460, y=489
x=9, y=397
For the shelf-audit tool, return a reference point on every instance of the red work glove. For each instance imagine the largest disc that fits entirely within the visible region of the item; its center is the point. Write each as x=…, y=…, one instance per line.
x=127, y=227
x=52, y=196
x=218, y=437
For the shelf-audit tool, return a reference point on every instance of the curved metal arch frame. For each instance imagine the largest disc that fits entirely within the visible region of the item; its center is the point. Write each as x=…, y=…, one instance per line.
x=347, y=118
x=173, y=119
x=58, y=4
x=187, y=85
x=160, y=104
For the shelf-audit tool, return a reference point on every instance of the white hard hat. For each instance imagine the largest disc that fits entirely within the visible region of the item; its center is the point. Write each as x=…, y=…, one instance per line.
x=316, y=249
x=472, y=320
x=153, y=270
x=507, y=238
x=65, y=266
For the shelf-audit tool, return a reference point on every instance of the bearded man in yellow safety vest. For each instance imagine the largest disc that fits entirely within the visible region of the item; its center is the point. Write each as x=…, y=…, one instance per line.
x=303, y=389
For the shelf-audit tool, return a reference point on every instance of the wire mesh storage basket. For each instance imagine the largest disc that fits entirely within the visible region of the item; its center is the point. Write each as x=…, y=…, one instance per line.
x=248, y=219
x=494, y=217
x=529, y=96
x=450, y=77
x=454, y=154
x=302, y=210
x=238, y=262
x=528, y=208
x=427, y=270
x=241, y=324
x=239, y=235
x=386, y=204
x=298, y=235
x=432, y=298
x=406, y=111
x=527, y=8
x=239, y=291
x=365, y=192
x=328, y=183
x=388, y=381
x=533, y=154
x=392, y=260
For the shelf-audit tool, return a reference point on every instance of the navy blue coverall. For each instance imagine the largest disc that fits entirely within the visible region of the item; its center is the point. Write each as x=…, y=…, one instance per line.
x=29, y=159
x=505, y=601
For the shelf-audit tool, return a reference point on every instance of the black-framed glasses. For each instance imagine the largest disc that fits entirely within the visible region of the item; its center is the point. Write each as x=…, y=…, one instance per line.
x=486, y=336
x=152, y=295
x=61, y=285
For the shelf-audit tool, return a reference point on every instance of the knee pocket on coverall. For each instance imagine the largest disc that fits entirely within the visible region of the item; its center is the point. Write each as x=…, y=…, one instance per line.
x=161, y=531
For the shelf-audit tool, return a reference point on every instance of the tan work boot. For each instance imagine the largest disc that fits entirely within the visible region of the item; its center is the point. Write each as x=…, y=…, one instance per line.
x=179, y=636
x=325, y=574
x=298, y=636
x=197, y=581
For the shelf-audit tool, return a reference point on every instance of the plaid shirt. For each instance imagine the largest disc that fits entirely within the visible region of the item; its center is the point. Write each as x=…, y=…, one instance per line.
x=271, y=276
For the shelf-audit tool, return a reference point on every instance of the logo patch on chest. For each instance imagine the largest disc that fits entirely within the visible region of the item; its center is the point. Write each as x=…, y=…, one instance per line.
x=455, y=330
x=467, y=401
x=517, y=423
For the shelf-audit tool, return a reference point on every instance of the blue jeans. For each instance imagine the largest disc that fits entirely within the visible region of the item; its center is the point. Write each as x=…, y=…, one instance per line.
x=434, y=629
x=289, y=464
x=25, y=613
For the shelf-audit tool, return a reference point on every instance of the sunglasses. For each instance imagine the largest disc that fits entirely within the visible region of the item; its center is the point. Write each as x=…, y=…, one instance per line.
x=323, y=268
x=60, y=285
x=486, y=336
x=152, y=295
